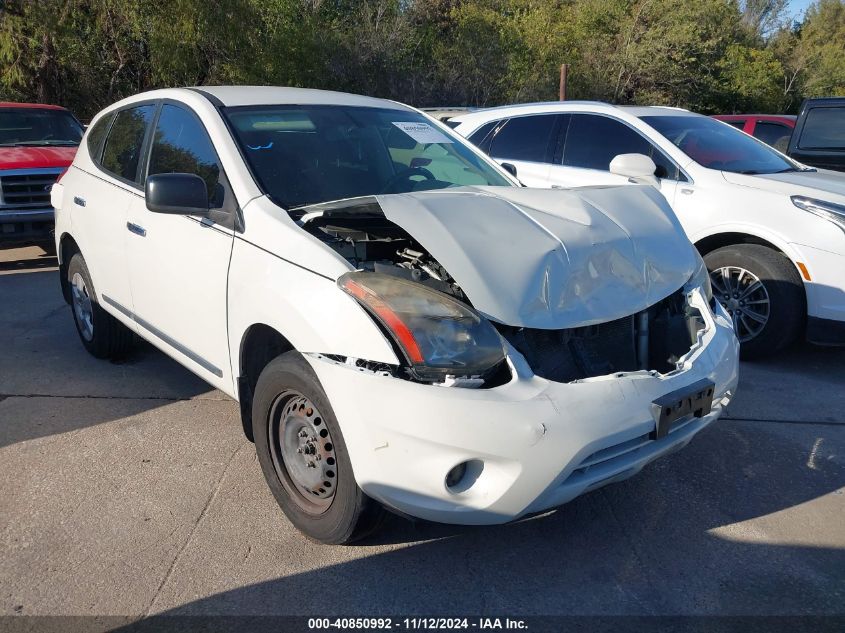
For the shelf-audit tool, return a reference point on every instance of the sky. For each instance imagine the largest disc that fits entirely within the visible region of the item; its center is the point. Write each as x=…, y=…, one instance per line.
x=798, y=7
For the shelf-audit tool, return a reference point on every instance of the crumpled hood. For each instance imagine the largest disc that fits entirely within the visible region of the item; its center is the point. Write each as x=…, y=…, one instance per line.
x=821, y=183
x=547, y=258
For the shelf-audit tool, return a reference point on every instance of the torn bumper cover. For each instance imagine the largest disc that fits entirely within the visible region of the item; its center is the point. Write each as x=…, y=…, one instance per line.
x=486, y=456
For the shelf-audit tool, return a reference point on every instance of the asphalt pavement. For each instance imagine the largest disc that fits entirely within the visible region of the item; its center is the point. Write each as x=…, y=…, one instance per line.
x=128, y=489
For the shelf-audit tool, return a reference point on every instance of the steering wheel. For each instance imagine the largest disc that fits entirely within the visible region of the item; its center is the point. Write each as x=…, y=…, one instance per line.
x=406, y=174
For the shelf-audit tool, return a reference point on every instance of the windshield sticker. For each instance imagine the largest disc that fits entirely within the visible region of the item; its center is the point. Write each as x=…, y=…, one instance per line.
x=422, y=132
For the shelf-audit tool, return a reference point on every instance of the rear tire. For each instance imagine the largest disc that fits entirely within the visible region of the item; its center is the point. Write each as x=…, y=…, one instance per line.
x=769, y=315
x=101, y=334
x=301, y=449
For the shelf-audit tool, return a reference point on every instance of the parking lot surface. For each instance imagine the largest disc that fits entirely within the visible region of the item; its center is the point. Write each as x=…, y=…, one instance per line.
x=129, y=489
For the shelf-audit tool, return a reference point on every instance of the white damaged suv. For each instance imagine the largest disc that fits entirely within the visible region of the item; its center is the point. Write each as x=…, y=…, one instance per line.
x=402, y=324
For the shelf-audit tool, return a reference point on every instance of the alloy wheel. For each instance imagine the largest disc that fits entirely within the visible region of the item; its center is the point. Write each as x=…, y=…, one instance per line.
x=744, y=297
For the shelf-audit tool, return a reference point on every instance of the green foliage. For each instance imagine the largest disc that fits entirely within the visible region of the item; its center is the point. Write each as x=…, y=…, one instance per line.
x=707, y=55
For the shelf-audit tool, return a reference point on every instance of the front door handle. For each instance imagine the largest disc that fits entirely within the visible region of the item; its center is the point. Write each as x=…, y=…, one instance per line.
x=80, y=202
x=137, y=230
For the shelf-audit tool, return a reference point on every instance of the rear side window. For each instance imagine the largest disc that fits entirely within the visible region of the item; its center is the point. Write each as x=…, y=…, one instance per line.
x=593, y=141
x=774, y=134
x=824, y=128
x=96, y=135
x=525, y=138
x=737, y=124
x=181, y=145
x=122, y=151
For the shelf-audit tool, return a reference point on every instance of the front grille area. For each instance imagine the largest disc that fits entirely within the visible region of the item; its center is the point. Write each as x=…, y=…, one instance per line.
x=26, y=190
x=665, y=332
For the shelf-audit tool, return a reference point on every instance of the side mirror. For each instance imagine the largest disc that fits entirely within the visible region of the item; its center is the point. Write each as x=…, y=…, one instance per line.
x=510, y=168
x=635, y=167
x=179, y=194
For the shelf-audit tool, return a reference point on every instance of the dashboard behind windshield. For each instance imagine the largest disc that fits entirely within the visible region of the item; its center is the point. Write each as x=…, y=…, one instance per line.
x=302, y=155
x=716, y=145
x=38, y=126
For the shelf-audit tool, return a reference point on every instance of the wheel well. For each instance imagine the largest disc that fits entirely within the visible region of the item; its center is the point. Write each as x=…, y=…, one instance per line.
x=711, y=243
x=261, y=344
x=67, y=249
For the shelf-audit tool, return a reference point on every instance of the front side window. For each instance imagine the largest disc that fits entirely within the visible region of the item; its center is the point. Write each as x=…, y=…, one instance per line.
x=525, y=138
x=824, y=128
x=593, y=141
x=717, y=146
x=122, y=151
x=774, y=134
x=181, y=145
x=38, y=127
x=303, y=155
x=737, y=124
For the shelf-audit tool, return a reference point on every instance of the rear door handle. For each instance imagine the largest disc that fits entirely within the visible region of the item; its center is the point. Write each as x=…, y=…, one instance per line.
x=80, y=202
x=137, y=230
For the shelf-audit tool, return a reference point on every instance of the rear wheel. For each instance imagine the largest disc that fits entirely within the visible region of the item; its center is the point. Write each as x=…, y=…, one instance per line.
x=303, y=455
x=762, y=292
x=101, y=334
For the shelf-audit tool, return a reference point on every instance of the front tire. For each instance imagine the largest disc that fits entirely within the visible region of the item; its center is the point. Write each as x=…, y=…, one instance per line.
x=303, y=455
x=762, y=291
x=101, y=334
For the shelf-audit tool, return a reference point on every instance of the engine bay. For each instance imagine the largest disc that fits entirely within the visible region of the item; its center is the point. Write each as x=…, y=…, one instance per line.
x=369, y=241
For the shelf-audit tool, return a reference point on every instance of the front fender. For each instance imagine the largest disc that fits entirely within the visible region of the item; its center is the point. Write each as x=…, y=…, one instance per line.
x=308, y=309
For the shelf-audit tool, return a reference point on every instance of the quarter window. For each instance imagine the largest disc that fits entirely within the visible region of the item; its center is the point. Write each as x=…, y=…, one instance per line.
x=593, y=141
x=122, y=152
x=479, y=137
x=96, y=135
x=181, y=145
x=525, y=138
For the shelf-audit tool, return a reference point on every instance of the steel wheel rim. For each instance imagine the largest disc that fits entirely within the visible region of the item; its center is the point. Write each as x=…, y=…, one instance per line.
x=82, y=307
x=303, y=452
x=745, y=299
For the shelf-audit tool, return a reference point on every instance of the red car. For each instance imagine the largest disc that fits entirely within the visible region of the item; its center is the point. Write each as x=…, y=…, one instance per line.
x=37, y=144
x=772, y=129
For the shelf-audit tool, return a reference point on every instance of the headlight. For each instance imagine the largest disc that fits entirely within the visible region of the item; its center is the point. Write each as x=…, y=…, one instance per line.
x=439, y=335
x=828, y=210
x=701, y=278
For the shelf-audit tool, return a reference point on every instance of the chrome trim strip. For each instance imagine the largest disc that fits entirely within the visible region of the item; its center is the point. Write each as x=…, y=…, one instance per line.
x=199, y=360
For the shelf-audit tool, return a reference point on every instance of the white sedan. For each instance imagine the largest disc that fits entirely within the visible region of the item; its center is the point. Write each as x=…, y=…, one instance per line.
x=402, y=325
x=771, y=230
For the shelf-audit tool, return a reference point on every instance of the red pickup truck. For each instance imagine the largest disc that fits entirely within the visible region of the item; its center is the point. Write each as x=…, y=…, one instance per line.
x=37, y=144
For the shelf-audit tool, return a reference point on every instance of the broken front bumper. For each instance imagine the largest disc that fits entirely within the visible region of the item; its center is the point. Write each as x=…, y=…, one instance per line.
x=532, y=444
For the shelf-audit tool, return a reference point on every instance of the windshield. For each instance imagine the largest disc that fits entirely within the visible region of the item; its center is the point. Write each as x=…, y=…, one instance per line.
x=304, y=155
x=38, y=126
x=713, y=144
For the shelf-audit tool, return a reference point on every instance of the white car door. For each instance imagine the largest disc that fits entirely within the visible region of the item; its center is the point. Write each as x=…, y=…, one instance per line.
x=101, y=202
x=528, y=143
x=591, y=141
x=178, y=264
